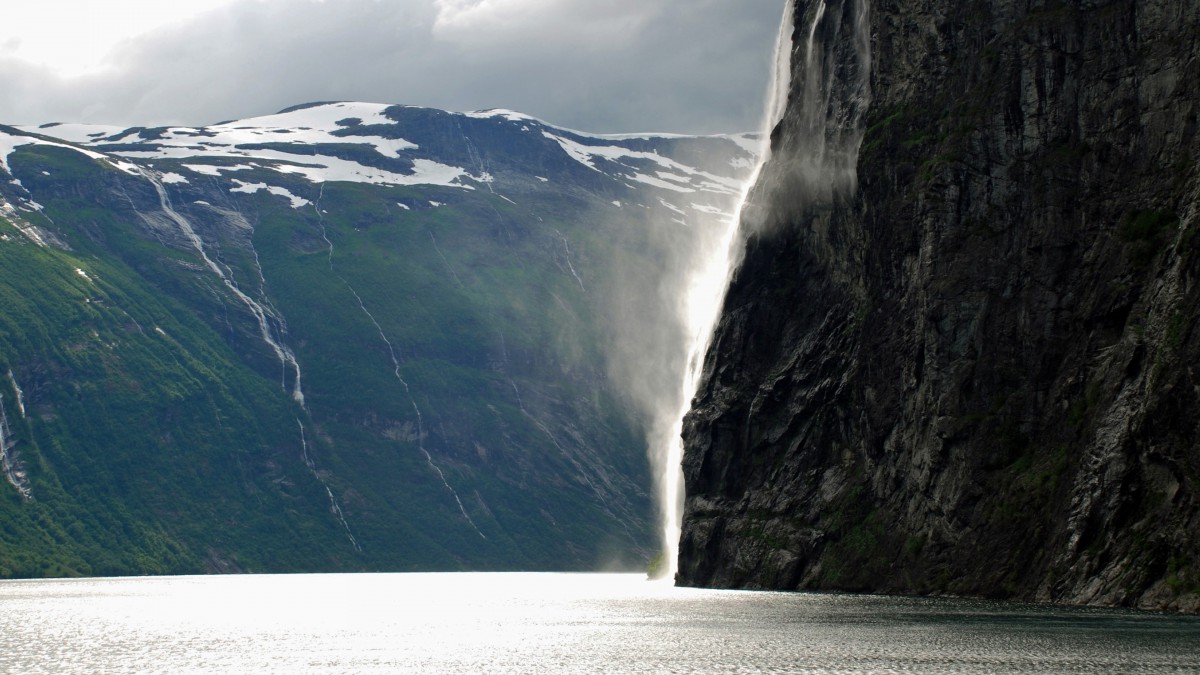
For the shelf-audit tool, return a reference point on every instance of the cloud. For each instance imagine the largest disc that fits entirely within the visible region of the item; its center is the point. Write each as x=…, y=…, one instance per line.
x=541, y=24
x=620, y=65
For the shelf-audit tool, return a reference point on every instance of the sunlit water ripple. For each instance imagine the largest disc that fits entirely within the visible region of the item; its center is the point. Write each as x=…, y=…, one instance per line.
x=378, y=623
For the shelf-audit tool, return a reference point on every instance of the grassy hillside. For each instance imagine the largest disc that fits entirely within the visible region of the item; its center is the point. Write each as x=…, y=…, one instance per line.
x=237, y=367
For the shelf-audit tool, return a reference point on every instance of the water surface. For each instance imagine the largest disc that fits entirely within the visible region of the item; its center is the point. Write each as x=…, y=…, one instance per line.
x=384, y=623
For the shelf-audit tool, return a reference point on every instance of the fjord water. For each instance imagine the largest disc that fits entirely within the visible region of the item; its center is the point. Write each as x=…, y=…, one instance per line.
x=531, y=622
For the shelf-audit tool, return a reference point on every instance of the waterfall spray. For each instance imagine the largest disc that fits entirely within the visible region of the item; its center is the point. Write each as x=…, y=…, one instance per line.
x=816, y=154
x=817, y=157
x=704, y=293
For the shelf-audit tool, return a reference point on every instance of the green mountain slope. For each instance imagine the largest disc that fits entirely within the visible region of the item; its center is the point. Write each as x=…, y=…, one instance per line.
x=333, y=351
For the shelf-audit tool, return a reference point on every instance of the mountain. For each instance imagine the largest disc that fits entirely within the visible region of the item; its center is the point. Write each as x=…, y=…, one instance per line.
x=347, y=336
x=967, y=364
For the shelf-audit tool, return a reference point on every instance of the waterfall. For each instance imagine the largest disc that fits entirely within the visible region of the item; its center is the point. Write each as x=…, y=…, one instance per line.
x=437, y=470
x=816, y=147
x=263, y=315
x=817, y=143
x=334, y=507
x=703, y=294
x=10, y=463
x=20, y=394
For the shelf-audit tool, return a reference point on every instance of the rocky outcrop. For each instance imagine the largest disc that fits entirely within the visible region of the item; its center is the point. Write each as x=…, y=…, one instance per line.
x=975, y=372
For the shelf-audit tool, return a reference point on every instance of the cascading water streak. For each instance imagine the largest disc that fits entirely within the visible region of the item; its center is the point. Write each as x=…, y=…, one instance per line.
x=334, y=507
x=20, y=394
x=262, y=315
x=815, y=157
x=10, y=465
x=437, y=470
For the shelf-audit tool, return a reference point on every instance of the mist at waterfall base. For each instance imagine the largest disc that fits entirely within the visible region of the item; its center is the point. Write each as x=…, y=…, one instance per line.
x=388, y=623
x=651, y=320
x=662, y=318
x=807, y=157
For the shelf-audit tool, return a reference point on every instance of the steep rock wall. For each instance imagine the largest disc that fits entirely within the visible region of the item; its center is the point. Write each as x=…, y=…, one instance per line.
x=975, y=372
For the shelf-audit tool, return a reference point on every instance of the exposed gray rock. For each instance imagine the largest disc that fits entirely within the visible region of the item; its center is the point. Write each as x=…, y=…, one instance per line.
x=976, y=373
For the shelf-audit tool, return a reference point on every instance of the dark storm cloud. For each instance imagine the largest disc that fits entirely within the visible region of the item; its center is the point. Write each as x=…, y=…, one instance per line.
x=689, y=66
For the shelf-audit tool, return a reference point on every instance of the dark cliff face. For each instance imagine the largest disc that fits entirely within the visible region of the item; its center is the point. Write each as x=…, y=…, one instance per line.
x=975, y=371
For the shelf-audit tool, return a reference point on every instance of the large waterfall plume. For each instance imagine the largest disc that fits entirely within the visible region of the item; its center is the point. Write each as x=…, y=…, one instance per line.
x=703, y=288
x=811, y=133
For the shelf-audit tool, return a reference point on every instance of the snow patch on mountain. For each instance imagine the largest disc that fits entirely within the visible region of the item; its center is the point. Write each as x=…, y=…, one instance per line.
x=320, y=116
x=251, y=188
x=8, y=143
x=672, y=207
x=588, y=155
x=711, y=210
x=659, y=183
x=285, y=129
x=215, y=170
x=674, y=177
x=322, y=168
x=751, y=143
x=314, y=167
x=510, y=115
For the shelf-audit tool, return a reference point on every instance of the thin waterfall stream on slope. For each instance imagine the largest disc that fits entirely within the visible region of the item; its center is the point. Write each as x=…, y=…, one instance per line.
x=262, y=314
x=10, y=465
x=437, y=470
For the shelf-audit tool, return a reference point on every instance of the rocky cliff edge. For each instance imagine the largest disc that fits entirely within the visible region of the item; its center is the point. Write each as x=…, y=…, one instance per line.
x=975, y=371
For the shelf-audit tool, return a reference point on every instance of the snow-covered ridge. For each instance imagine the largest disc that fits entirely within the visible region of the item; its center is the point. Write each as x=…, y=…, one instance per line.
x=317, y=142
x=510, y=115
x=748, y=140
x=10, y=142
x=670, y=175
x=287, y=142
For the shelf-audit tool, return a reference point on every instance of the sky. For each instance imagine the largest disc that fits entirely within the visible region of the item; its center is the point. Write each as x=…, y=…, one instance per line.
x=606, y=66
